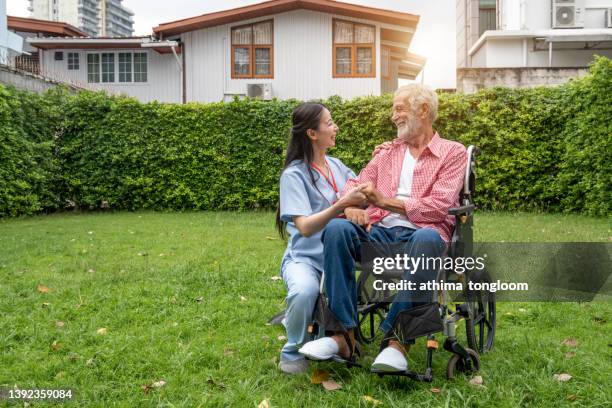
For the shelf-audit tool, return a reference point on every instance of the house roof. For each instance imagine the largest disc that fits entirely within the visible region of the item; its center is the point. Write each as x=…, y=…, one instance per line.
x=96, y=43
x=267, y=8
x=32, y=25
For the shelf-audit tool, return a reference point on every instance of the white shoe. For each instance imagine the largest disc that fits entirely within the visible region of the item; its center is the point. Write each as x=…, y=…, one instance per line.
x=321, y=349
x=390, y=360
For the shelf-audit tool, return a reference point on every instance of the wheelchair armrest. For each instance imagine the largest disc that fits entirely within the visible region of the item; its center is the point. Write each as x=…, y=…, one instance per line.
x=464, y=209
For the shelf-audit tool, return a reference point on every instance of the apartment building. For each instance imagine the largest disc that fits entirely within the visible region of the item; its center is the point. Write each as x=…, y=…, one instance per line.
x=98, y=18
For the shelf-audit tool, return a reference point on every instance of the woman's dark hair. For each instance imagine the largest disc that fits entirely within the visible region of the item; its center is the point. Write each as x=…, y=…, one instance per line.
x=305, y=116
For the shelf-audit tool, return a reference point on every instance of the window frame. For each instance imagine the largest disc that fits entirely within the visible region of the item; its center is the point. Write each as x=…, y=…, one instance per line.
x=354, y=45
x=116, y=67
x=74, y=61
x=252, y=47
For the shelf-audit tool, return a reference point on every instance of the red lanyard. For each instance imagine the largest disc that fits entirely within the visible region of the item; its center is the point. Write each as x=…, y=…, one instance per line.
x=331, y=182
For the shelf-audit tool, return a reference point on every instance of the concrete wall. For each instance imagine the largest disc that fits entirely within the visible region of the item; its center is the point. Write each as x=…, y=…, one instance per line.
x=470, y=80
x=24, y=81
x=537, y=14
x=302, y=61
x=511, y=53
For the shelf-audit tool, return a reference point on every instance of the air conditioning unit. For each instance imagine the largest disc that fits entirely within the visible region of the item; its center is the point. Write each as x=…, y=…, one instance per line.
x=262, y=91
x=567, y=13
x=609, y=18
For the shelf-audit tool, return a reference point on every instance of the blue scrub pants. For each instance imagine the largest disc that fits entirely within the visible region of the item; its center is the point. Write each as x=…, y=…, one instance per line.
x=302, y=282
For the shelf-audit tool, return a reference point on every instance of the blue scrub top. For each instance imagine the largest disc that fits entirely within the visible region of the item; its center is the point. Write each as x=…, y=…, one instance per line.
x=298, y=196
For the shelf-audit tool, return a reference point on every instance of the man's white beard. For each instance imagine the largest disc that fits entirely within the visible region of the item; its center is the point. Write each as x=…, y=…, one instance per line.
x=411, y=128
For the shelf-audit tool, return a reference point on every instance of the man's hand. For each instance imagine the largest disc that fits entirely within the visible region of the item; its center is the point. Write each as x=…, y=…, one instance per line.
x=359, y=217
x=373, y=196
x=354, y=198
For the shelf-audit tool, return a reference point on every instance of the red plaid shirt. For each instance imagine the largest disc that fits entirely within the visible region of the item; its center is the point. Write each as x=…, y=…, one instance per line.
x=436, y=182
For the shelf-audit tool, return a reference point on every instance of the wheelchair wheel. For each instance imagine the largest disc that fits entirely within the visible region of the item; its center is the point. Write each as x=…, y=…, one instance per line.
x=457, y=365
x=480, y=326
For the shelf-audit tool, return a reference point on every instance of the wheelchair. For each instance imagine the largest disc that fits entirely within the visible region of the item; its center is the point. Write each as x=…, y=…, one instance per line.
x=476, y=308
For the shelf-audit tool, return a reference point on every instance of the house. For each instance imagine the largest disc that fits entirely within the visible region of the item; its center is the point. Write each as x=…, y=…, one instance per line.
x=520, y=43
x=303, y=49
x=10, y=43
x=34, y=28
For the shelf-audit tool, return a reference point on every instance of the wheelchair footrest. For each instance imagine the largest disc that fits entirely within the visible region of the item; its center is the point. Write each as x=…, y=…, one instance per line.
x=427, y=377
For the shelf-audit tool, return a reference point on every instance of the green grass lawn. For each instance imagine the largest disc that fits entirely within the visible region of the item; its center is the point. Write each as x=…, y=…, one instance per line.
x=184, y=298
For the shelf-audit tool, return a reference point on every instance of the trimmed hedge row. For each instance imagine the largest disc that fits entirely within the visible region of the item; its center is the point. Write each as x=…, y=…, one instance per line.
x=543, y=149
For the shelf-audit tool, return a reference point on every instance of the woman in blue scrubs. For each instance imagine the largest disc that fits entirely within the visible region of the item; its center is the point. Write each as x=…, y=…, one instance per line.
x=309, y=199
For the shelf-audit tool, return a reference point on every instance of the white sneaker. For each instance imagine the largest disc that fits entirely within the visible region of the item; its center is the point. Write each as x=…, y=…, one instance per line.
x=321, y=349
x=294, y=367
x=390, y=360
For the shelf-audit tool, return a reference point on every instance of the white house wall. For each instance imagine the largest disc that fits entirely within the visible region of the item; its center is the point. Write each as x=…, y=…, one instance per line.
x=302, y=61
x=163, y=75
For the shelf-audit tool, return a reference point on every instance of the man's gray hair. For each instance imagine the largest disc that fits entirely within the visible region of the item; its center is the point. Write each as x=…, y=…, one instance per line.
x=417, y=95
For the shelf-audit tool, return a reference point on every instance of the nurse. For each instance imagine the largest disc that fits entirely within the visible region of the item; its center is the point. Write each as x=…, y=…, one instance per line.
x=309, y=188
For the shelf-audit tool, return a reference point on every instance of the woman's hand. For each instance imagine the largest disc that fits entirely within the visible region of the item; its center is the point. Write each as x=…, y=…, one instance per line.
x=354, y=198
x=381, y=148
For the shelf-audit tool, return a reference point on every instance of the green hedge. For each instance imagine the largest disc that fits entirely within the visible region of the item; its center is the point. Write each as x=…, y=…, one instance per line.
x=545, y=149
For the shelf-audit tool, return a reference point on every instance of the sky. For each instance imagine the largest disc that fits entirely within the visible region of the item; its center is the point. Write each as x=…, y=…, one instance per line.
x=434, y=38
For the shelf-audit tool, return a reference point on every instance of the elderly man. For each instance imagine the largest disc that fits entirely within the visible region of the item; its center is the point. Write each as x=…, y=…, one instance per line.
x=411, y=186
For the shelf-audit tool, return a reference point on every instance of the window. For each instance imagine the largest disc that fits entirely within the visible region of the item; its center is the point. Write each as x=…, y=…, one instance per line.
x=131, y=66
x=253, y=51
x=385, y=62
x=140, y=67
x=125, y=67
x=73, y=60
x=353, y=49
x=108, y=67
x=487, y=16
x=93, y=68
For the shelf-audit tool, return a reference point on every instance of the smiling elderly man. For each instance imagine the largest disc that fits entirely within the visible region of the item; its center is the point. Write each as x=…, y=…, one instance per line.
x=413, y=183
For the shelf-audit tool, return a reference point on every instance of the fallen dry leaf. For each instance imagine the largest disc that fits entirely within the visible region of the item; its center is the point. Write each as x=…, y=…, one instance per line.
x=242, y=298
x=435, y=390
x=570, y=354
x=331, y=385
x=59, y=324
x=46, y=304
x=374, y=402
x=102, y=331
x=477, y=380
x=228, y=352
x=282, y=338
x=56, y=345
x=158, y=384
x=264, y=404
x=276, y=278
x=318, y=376
x=571, y=398
x=271, y=238
x=522, y=310
x=564, y=377
x=43, y=289
x=90, y=270
x=199, y=299
x=213, y=383
x=91, y=361
x=265, y=337
x=570, y=342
